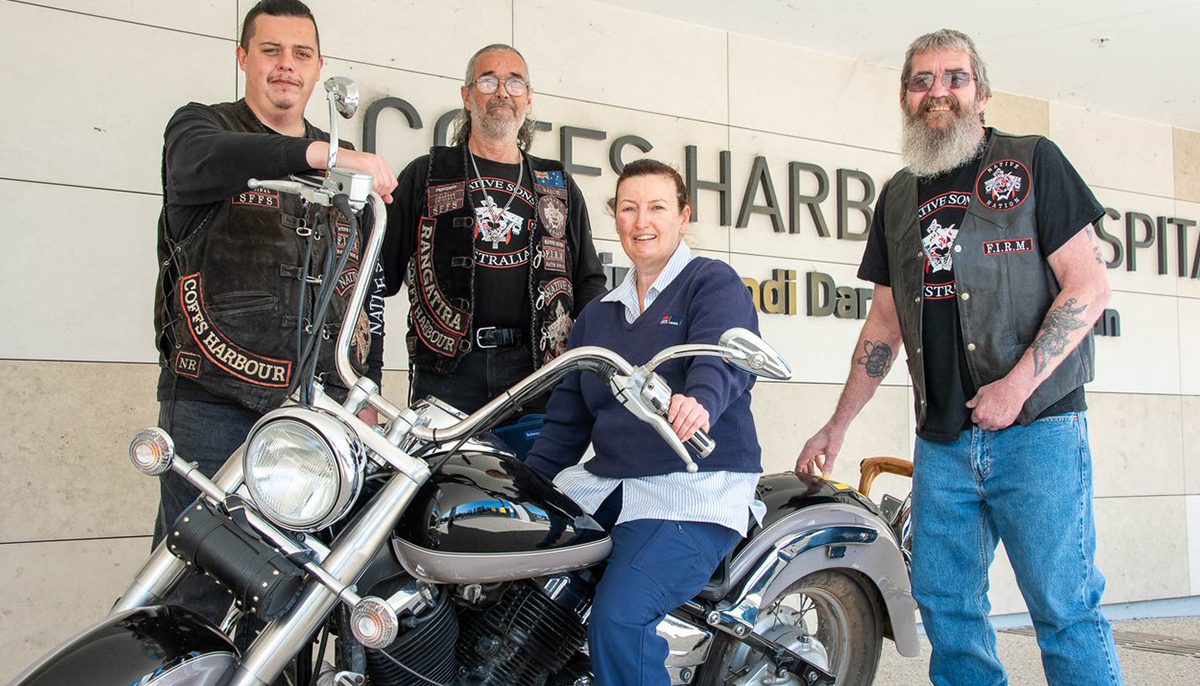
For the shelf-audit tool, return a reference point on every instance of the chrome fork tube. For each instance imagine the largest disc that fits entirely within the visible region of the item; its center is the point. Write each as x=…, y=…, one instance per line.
x=163, y=570
x=349, y=556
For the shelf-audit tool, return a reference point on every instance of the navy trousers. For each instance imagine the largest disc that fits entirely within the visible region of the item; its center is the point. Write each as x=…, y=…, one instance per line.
x=656, y=565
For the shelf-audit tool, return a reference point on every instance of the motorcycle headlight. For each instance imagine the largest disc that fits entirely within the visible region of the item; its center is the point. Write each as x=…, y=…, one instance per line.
x=303, y=468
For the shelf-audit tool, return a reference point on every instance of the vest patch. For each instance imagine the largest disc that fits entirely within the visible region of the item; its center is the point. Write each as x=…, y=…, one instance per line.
x=445, y=198
x=552, y=179
x=554, y=255
x=226, y=355
x=187, y=364
x=346, y=281
x=1003, y=185
x=553, y=213
x=451, y=318
x=256, y=199
x=1007, y=247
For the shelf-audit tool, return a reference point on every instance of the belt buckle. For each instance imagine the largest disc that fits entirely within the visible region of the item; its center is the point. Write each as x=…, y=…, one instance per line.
x=479, y=343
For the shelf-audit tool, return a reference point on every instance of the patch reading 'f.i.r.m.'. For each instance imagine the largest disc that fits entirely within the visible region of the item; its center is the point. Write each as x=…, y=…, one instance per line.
x=1008, y=247
x=219, y=350
x=1003, y=185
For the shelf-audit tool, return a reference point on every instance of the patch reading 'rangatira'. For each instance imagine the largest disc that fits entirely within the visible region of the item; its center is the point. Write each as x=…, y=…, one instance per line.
x=1003, y=185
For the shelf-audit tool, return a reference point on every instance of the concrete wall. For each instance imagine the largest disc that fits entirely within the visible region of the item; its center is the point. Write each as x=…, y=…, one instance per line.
x=99, y=78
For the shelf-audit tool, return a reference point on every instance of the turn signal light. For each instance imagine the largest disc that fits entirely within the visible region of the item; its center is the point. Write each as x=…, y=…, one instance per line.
x=151, y=451
x=374, y=623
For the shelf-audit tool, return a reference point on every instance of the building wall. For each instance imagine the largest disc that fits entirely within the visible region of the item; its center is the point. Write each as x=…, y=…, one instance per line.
x=92, y=82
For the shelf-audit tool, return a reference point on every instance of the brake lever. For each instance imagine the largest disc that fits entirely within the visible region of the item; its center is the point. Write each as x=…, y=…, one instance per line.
x=642, y=394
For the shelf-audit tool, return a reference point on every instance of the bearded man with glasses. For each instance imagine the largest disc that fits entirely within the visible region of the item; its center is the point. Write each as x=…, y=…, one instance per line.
x=987, y=268
x=494, y=245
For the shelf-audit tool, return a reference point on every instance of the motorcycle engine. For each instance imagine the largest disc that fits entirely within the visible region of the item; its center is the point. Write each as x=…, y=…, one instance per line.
x=528, y=635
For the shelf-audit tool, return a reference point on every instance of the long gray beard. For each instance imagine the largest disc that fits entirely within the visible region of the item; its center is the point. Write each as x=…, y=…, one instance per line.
x=929, y=152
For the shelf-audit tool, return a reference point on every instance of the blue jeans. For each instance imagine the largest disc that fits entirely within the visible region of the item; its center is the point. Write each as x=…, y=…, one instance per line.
x=1031, y=487
x=656, y=565
x=205, y=433
x=482, y=374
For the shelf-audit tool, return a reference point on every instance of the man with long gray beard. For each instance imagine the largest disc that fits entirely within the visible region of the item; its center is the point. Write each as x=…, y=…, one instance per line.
x=987, y=269
x=493, y=243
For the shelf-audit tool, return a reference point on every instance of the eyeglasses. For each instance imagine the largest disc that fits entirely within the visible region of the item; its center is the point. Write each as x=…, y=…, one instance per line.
x=513, y=85
x=919, y=83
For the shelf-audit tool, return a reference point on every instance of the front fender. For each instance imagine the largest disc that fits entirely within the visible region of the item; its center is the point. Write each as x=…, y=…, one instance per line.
x=170, y=645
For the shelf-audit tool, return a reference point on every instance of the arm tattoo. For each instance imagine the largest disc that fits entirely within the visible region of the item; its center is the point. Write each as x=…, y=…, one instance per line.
x=877, y=358
x=1096, y=246
x=1056, y=330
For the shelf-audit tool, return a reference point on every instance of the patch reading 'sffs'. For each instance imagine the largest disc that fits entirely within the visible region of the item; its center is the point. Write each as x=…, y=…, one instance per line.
x=1003, y=185
x=445, y=198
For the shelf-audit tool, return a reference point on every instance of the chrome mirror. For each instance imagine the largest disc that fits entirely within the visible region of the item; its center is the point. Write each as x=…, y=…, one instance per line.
x=342, y=94
x=757, y=357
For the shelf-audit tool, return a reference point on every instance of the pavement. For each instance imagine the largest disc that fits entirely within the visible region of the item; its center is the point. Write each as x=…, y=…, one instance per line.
x=1153, y=652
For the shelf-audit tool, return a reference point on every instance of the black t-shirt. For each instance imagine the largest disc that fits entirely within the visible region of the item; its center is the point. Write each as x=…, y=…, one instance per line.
x=1065, y=206
x=503, y=220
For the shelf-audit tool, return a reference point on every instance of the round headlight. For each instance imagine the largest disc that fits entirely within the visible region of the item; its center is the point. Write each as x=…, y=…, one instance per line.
x=302, y=468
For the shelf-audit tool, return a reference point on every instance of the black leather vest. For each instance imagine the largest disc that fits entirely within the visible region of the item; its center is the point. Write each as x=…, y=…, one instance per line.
x=1005, y=285
x=441, y=274
x=230, y=291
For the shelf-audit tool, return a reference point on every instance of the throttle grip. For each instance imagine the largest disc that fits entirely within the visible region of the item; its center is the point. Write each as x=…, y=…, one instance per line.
x=701, y=443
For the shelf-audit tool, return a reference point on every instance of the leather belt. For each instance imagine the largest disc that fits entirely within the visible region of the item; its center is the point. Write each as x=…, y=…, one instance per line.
x=495, y=337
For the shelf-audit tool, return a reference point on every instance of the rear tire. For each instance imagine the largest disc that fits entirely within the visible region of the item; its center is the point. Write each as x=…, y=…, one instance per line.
x=827, y=617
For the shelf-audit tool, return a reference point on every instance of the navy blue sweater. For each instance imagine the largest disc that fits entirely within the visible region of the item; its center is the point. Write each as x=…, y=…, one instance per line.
x=705, y=300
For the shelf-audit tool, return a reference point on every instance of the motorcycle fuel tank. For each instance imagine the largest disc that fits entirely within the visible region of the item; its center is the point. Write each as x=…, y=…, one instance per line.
x=485, y=517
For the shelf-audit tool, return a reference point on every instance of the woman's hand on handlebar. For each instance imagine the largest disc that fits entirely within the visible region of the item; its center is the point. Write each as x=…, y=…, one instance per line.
x=686, y=415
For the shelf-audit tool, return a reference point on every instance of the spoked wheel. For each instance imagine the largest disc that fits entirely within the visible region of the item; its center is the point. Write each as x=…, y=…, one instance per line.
x=826, y=617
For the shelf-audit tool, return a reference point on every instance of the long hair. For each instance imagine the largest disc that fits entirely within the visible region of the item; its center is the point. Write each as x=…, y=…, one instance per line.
x=462, y=121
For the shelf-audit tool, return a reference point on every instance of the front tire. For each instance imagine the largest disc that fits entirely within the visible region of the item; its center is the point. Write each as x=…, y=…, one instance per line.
x=827, y=617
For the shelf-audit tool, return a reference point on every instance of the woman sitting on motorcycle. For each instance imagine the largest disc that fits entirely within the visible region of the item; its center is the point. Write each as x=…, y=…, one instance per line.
x=670, y=528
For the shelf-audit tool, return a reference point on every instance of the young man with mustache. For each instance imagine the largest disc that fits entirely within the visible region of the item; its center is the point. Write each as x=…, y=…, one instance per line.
x=228, y=323
x=494, y=245
x=987, y=269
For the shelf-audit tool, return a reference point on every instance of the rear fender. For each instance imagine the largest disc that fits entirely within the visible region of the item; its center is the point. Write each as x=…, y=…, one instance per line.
x=832, y=536
x=159, y=645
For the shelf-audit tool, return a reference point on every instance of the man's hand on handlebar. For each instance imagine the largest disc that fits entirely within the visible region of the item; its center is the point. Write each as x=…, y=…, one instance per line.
x=383, y=177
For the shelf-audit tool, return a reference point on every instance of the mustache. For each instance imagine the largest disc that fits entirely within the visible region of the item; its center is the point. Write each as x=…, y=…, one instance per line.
x=943, y=101
x=505, y=104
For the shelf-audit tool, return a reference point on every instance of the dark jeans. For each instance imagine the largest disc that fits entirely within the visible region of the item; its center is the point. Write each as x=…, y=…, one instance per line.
x=482, y=374
x=207, y=434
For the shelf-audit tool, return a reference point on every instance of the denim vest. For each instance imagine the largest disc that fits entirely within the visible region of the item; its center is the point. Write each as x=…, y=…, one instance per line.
x=1005, y=285
x=230, y=291
x=441, y=273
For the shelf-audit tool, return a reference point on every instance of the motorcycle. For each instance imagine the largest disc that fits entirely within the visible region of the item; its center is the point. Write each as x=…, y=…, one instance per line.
x=435, y=556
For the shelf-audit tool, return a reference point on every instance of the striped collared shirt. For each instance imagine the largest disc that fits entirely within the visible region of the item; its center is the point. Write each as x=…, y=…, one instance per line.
x=725, y=498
